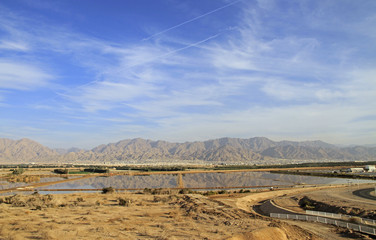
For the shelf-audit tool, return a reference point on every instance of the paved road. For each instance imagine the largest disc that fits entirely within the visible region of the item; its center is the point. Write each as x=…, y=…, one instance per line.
x=365, y=193
x=268, y=207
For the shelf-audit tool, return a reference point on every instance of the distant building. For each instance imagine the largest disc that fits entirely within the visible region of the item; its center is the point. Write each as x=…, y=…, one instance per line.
x=370, y=168
x=354, y=170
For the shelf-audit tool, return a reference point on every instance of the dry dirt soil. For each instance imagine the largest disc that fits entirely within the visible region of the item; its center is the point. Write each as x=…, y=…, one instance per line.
x=163, y=216
x=135, y=216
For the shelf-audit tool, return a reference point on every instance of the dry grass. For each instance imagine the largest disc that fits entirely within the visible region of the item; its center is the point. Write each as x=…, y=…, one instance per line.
x=136, y=216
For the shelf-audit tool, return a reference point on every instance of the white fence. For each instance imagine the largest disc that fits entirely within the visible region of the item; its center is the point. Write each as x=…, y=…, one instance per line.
x=325, y=214
x=333, y=215
x=356, y=227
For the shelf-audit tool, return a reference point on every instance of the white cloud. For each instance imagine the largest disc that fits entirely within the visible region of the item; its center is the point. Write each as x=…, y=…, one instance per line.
x=262, y=78
x=22, y=76
x=108, y=95
x=15, y=46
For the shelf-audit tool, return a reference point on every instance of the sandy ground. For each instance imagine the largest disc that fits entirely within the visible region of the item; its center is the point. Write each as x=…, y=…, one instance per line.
x=147, y=216
x=144, y=216
x=99, y=216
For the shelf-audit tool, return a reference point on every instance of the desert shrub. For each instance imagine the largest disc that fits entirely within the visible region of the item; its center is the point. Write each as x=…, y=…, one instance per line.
x=124, y=202
x=163, y=199
x=18, y=171
x=15, y=201
x=356, y=220
x=157, y=191
x=185, y=191
x=147, y=190
x=80, y=199
x=306, y=203
x=208, y=193
x=157, y=199
x=108, y=190
x=35, y=201
x=222, y=192
x=40, y=201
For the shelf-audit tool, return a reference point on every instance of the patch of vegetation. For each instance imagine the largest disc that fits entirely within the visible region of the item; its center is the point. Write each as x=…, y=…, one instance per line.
x=306, y=203
x=185, y=191
x=325, y=174
x=108, y=190
x=61, y=171
x=158, y=191
x=96, y=170
x=124, y=202
x=209, y=193
x=153, y=168
x=356, y=220
x=295, y=165
x=18, y=171
x=23, y=178
x=35, y=201
x=244, y=191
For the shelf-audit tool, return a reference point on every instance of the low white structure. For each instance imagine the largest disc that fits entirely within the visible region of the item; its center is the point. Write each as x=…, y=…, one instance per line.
x=354, y=170
x=370, y=168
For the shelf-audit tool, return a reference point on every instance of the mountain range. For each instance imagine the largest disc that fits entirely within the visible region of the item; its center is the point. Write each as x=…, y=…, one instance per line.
x=257, y=150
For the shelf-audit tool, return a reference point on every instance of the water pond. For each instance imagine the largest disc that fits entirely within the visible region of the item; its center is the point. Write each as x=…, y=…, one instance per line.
x=200, y=181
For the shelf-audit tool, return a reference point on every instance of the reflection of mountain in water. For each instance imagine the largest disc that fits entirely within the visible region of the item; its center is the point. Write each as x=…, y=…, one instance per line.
x=123, y=181
x=198, y=180
x=238, y=179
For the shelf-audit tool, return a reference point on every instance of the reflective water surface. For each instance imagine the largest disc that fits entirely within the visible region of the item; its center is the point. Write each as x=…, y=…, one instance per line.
x=200, y=180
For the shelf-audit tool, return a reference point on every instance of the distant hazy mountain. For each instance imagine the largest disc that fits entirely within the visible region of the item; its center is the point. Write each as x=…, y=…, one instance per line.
x=65, y=151
x=225, y=150
x=24, y=150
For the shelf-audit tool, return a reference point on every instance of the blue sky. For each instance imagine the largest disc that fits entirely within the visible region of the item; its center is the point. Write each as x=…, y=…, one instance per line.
x=82, y=73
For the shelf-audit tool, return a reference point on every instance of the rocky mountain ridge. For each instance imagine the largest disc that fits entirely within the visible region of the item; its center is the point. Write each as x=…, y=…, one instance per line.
x=257, y=150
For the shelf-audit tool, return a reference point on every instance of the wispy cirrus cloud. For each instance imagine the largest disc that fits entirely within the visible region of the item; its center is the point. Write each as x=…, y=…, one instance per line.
x=280, y=70
x=22, y=76
x=13, y=46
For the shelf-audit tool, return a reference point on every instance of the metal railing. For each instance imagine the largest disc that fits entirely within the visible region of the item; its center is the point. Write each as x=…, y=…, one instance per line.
x=353, y=226
x=341, y=216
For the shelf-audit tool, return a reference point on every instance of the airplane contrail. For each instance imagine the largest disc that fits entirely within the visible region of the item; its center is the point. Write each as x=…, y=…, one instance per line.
x=191, y=20
x=145, y=62
x=188, y=46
